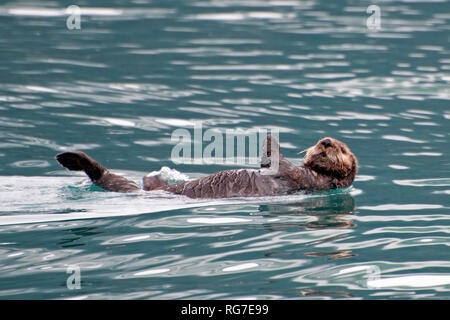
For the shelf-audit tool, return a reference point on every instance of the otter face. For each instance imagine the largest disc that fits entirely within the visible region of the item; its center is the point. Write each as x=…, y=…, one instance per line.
x=331, y=157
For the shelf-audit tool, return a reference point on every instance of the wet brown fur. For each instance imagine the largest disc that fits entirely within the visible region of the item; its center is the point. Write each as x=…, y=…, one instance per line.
x=332, y=159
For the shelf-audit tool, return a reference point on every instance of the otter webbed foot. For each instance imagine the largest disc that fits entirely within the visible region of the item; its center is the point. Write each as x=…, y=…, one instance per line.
x=99, y=175
x=80, y=161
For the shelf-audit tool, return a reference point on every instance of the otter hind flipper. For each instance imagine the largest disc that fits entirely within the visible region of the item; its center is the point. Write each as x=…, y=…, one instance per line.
x=99, y=175
x=70, y=160
x=80, y=161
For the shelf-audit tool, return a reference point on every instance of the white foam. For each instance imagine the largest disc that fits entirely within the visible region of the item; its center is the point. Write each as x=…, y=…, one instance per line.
x=167, y=174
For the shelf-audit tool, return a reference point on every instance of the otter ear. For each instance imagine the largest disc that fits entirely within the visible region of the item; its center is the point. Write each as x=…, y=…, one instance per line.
x=271, y=149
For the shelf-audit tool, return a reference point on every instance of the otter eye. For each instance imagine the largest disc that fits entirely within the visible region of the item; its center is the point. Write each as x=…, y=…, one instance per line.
x=343, y=151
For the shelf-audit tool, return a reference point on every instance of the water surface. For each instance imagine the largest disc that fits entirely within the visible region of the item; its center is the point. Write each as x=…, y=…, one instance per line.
x=136, y=71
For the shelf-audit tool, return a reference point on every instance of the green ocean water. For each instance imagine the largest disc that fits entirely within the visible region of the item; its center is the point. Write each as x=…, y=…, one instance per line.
x=135, y=71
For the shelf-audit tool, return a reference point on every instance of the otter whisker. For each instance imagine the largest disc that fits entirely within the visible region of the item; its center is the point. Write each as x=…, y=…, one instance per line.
x=308, y=152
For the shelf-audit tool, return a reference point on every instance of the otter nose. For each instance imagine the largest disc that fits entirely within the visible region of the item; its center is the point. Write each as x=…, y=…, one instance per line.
x=326, y=143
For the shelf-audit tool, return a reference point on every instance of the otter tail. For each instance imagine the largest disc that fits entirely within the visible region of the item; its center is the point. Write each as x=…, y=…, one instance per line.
x=80, y=161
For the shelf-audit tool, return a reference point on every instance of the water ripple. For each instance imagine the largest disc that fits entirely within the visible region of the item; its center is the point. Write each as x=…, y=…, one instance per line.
x=440, y=182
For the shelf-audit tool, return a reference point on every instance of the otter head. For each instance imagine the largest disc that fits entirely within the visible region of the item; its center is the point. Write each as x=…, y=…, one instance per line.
x=331, y=157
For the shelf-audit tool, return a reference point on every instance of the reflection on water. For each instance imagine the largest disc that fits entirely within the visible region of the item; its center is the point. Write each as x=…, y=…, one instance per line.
x=136, y=71
x=322, y=212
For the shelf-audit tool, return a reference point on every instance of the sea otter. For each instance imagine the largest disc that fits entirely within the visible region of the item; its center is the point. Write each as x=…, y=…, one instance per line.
x=329, y=164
